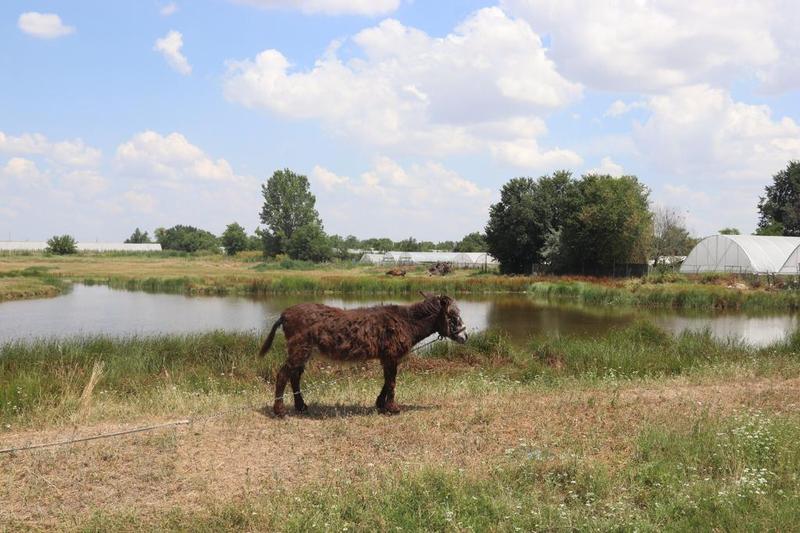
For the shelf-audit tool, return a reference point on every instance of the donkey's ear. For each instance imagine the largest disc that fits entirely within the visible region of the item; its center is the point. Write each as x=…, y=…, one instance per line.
x=426, y=294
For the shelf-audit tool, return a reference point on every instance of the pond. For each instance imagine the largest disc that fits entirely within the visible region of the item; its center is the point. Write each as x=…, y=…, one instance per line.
x=93, y=310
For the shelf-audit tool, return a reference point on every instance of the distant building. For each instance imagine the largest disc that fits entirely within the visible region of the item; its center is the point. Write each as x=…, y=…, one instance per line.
x=36, y=246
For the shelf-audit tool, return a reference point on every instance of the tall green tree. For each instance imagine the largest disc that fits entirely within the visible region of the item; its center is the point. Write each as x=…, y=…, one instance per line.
x=472, y=242
x=234, y=239
x=780, y=205
x=309, y=243
x=611, y=226
x=187, y=239
x=288, y=206
x=729, y=231
x=528, y=211
x=138, y=237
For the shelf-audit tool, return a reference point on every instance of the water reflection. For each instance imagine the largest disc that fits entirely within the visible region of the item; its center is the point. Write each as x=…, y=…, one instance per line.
x=88, y=310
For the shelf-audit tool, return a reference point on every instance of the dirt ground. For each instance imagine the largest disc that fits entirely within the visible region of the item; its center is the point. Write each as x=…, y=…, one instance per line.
x=250, y=452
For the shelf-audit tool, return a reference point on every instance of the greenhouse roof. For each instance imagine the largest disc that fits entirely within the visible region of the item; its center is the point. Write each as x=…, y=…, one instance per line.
x=740, y=253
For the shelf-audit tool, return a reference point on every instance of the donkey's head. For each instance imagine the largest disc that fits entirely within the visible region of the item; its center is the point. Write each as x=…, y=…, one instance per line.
x=448, y=322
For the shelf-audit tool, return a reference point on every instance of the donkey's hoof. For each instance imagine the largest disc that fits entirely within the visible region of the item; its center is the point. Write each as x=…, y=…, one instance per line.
x=300, y=408
x=279, y=409
x=389, y=409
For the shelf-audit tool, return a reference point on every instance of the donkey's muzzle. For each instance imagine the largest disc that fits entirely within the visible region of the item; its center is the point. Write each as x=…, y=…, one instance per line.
x=460, y=336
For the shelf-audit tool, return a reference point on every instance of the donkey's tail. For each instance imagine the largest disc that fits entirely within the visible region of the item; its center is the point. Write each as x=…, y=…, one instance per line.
x=270, y=337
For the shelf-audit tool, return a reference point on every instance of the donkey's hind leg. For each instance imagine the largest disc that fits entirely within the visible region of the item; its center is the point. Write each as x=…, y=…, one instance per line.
x=299, y=405
x=291, y=370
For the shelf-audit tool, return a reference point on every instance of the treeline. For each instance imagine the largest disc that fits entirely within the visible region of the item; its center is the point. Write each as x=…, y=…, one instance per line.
x=235, y=239
x=292, y=227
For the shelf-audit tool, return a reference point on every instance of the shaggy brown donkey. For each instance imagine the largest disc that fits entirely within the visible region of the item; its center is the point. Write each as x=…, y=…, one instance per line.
x=385, y=332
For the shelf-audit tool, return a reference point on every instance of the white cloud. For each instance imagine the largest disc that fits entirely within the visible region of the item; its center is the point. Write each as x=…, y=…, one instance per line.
x=43, y=25
x=88, y=182
x=170, y=47
x=140, y=201
x=329, y=7
x=71, y=152
x=710, y=208
x=526, y=153
x=173, y=160
x=702, y=132
x=607, y=167
x=619, y=108
x=488, y=81
x=635, y=45
x=25, y=172
x=168, y=9
x=423, y=199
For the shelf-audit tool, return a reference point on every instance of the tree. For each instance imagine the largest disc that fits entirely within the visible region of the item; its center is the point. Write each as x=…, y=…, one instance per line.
x=729, y=231
x=254, y=243
x=408, y=245
x=472, y=242
x=187, y=239
x=234, y=239
x=780, y=206
x=137, y=237
x=379, y=245
x=611, y=226
x=670, y=236
x=309, y=243
x=528, y=210
x=339, y=246
x=288, y=206
x=61, y=245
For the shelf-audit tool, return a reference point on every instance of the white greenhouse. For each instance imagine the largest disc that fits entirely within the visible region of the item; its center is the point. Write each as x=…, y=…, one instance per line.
x=744, y=254
x=464, y=260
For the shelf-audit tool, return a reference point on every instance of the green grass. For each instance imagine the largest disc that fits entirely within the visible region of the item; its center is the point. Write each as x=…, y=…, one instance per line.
x=315, y=284
x=676, y=295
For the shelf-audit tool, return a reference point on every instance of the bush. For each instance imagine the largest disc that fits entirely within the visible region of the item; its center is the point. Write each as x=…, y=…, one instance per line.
x=187, y=239
x=234, y=240
x=62, y=245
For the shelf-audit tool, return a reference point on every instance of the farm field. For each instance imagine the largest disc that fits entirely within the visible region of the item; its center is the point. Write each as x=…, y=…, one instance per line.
x=216, y=274
x=634, y=430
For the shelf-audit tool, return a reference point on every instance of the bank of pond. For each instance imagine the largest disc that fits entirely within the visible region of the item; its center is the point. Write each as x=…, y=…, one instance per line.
x=47, y=378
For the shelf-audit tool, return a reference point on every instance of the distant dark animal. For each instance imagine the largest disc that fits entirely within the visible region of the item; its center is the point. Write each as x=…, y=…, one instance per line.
x=396, y=272
x=385, y=332
x=440, y=269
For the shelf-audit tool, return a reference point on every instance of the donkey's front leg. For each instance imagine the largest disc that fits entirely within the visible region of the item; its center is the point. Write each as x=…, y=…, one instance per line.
x=385, y=401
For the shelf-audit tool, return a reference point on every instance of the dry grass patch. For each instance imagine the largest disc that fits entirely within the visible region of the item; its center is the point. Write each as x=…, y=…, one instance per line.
x=342, y=442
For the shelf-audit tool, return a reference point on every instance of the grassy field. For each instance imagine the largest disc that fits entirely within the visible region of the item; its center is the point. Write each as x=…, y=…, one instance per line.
x=28, y=283
x=634, y=431
x=247, y=274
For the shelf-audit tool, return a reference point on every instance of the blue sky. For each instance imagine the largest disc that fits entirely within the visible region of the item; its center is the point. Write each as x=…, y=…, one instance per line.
x=407, y=116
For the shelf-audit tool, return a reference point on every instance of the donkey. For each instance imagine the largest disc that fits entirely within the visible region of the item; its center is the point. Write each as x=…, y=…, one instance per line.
x=385, y=332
